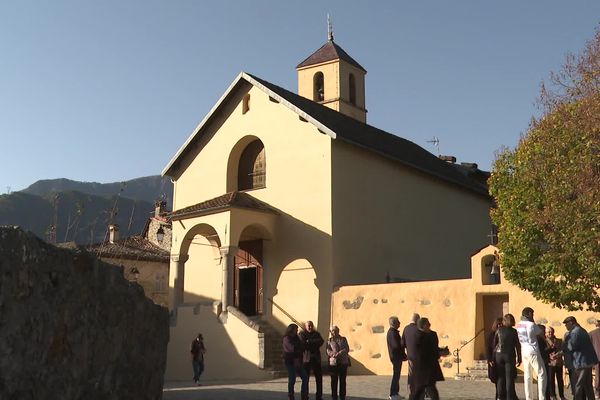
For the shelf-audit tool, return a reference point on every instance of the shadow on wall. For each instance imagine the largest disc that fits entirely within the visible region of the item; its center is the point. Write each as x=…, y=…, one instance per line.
x=228, y=356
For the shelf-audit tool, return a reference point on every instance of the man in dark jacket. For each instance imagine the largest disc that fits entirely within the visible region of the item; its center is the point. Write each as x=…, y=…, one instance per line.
x=197, y=351
x=582, y=350
x=313, y=341
x=427, y=369
x=409, y=342
x=397, y=355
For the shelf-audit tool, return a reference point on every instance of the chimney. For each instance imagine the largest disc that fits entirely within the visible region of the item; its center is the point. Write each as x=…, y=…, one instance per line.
x=159, y=207
x=469, y=165
x=448, y=159
x=113, y=233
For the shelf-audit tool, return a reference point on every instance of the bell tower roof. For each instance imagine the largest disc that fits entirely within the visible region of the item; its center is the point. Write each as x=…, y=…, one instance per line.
x=328, y=52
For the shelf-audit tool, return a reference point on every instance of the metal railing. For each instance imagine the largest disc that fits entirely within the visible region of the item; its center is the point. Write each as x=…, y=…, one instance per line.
x=456, y=353
x=294, y=320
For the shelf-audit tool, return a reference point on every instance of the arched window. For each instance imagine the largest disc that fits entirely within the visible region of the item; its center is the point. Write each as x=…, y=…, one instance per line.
x=352, y=84
x=252, y=167
x=318, y=87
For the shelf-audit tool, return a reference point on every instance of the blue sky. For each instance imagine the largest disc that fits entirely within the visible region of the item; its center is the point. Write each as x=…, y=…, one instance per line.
x=109, y=90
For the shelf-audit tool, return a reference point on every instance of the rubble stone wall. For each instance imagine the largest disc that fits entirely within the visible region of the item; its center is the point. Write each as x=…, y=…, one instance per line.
x=71, y=327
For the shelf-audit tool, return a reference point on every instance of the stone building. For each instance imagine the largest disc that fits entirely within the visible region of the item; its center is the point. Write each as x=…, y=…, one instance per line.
x=145, y=257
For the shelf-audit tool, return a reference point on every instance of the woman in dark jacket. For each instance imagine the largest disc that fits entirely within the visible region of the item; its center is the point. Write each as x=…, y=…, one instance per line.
x=490, y=354
x=426, y=370
x=507, y=349
x=292, y=356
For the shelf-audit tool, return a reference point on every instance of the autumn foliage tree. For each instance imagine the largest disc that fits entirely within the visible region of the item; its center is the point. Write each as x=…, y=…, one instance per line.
x=547, y=191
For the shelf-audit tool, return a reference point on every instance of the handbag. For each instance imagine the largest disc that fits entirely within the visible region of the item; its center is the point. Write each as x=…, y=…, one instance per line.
x=332, y=361
x=306, y=356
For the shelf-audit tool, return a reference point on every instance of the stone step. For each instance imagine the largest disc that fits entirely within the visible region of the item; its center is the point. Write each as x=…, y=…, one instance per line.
x=469, y=377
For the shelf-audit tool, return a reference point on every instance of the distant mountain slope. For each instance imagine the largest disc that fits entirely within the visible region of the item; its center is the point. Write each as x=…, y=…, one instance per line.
x=80, y=217
x=149, y=188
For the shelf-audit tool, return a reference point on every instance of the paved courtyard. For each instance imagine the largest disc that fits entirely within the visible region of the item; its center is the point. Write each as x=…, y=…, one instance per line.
x=363, y=387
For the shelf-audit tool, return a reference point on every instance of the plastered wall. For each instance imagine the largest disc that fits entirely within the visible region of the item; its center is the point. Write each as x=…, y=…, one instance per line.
x=452, y=306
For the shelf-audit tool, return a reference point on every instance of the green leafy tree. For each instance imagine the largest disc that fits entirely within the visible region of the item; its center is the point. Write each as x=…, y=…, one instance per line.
x=547, y=192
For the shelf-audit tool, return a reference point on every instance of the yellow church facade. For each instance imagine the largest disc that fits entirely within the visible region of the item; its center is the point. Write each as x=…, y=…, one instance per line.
x=283, y=200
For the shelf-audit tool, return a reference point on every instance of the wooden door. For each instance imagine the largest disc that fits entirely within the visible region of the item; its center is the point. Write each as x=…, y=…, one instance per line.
x=248, y=278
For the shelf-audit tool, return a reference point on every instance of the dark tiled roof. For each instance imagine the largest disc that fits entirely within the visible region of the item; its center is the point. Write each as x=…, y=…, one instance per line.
x=379, y=141
x=131, y=248
x=328, y=52
x=224, y=202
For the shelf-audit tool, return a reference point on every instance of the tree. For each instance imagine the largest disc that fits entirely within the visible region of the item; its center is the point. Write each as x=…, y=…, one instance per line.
x=547, y=192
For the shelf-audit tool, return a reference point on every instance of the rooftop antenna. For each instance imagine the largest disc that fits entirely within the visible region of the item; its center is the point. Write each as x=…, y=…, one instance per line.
x=436, y=142
x=329, y=29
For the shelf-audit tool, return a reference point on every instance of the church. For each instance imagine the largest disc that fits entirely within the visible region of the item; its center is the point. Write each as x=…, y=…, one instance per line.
x=281, y=199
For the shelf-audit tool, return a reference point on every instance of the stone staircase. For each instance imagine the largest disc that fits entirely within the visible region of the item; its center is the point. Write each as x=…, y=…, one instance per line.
x=272, y=349
x=478, y=372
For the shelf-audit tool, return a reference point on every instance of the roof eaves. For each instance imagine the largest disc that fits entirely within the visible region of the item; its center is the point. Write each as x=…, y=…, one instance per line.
x=291, y=106
x=167, y=169
x=249, y=78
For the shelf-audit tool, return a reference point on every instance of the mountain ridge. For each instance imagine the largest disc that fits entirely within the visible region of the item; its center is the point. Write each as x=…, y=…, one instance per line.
x=61, y=210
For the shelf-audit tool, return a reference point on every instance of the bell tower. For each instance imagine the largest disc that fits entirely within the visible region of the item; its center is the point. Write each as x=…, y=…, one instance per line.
x=331, y=77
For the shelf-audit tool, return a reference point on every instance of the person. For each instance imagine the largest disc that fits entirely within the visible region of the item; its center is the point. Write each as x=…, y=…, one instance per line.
x=397, y=355
x=595, y=337
x=292, y=357
x=312, y=341
x=507, y=354
x=555, y=365
x=409, y=337
x=490, y=351
x=427, y=369
x=568, y=359
x=545, y=353
x=584, y=358
x=339, y=361
x=528, y=333
x=197, y=351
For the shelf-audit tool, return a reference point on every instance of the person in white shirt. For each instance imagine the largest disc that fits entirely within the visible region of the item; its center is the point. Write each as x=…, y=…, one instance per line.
x=529, y=334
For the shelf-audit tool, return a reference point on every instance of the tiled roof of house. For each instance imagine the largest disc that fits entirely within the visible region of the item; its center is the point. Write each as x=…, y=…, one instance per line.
x=130, y=248
x=328, y=52
x=223, y=202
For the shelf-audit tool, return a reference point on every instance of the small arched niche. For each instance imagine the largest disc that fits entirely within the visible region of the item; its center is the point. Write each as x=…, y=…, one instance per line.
x=490, y=270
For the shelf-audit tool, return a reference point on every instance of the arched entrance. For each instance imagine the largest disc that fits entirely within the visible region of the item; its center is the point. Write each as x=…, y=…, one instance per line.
x=248, y=277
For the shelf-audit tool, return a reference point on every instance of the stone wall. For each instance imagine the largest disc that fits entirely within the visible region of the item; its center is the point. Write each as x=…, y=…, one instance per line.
x=71, y=327
x=455, y=308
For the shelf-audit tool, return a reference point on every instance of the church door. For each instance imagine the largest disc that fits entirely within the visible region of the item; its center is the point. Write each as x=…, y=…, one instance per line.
x=248, y=278
x=494, y=306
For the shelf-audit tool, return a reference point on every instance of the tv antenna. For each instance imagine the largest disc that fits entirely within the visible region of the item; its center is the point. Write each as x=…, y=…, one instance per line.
x=436, y=142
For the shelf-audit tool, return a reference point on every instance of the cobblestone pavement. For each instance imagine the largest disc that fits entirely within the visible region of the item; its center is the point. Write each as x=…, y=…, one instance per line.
x=363, y=387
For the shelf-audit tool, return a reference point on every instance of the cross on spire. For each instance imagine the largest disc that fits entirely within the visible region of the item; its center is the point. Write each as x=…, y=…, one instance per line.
x=329, y=29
